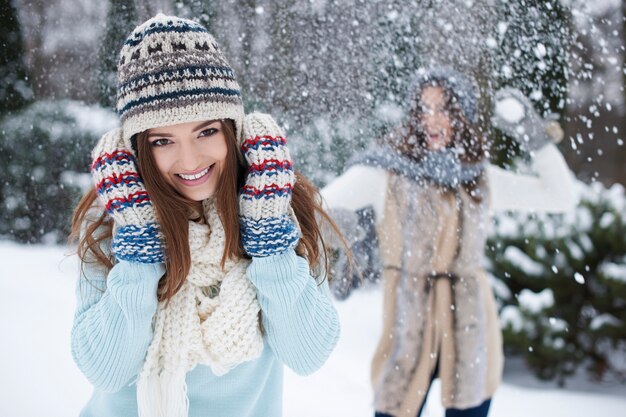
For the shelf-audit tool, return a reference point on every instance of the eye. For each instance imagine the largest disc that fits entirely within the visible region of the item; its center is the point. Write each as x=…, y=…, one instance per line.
x=210, y=131
x=160, y=142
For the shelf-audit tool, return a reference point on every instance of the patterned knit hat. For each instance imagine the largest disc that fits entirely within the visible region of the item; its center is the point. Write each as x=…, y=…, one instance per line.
x=172, y=71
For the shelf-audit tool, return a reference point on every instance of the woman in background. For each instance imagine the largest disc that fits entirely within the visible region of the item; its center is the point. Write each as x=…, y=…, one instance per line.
x=429, y=190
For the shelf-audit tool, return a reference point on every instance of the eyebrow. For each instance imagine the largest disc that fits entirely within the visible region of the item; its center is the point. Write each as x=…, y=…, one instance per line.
x=195, y=129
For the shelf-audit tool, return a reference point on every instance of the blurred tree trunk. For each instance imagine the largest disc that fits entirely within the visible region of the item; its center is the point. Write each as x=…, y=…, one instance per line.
x=281, y=87
x=248, y=59
x=15, y=90
x=621, y=150
x=121, y=20
x=36, y=62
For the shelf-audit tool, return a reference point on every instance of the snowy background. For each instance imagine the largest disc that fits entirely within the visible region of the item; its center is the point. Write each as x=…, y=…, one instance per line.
x=334, y=73
x=39, y=378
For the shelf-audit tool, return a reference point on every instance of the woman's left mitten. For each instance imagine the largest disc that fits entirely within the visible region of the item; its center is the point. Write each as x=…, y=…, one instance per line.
x=136, y=235
x=267, y=224
x=516, y=116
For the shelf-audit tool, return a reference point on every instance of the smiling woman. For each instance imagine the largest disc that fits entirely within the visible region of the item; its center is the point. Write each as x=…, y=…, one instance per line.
x=435, y=119
x=190, y=156
x=198, y=234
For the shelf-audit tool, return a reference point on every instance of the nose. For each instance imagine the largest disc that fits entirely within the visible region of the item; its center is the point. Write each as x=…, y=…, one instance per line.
x=189, y=157
x=430, y=119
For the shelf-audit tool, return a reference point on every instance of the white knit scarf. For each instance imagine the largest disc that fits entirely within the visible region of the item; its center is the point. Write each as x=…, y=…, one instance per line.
x=212, y=320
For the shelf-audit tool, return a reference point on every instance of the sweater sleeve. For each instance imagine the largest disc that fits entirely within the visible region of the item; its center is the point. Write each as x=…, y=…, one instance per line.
x=301, y=324
x=360, y=186
x=550, y=189
x=113, y=321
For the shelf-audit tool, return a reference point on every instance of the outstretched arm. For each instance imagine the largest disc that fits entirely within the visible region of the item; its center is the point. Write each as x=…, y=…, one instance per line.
x=551, y=189
x=359, y=187
x=550, y=185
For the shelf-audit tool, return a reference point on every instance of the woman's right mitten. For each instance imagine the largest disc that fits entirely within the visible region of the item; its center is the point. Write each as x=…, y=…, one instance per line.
x=136, y=235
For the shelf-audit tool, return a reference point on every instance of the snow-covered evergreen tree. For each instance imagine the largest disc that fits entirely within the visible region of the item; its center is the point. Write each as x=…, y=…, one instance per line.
x=45, y=156
x=561, y=282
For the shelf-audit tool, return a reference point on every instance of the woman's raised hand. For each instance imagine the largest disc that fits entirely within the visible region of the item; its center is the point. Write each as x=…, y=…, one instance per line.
x=515, y=115
x=136, y=235
x=267, y=220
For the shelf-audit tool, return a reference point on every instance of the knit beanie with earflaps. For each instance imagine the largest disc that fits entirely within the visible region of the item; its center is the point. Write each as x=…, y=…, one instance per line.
x=172, y=71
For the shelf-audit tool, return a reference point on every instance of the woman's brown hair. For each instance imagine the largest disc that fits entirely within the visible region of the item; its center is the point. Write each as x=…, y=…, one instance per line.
x=410, y=139
x=174, y=212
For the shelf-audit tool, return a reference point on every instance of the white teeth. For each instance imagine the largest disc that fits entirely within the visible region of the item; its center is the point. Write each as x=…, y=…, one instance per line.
x=194, y=176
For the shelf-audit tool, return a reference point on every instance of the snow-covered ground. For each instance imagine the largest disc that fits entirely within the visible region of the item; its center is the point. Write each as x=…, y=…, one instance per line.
x=38, y=377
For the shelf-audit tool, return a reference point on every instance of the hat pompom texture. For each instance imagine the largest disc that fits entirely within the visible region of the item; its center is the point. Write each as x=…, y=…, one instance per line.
x=171, y=71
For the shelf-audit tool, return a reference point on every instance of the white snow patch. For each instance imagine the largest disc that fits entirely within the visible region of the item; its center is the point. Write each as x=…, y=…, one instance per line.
x=499, y=288
x=536, y=302
x=540, y=50
x=521, y=260
x=92, y=118
x=614, y=271
x=605, y=319
x=558, y=325
x=82, y=180
x=607, y=220
x=579, y=278
x=390, y=112
x=574, y=250
x=502, y=27
x=36, y=310
x=511, y=316
x=506, y=225
x=510, y=110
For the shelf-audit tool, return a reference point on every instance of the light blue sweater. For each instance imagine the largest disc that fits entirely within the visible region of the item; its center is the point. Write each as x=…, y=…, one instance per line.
x=113, y=329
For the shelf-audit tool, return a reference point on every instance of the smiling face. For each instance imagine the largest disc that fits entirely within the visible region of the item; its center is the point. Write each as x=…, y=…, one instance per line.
x=435, y=118
x=190, y=156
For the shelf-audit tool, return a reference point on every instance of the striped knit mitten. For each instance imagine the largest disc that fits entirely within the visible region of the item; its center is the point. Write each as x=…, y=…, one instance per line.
x=267, y=225
x=136, y=236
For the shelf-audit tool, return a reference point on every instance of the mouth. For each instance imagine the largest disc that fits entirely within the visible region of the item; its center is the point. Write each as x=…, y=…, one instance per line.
x=196, y=178
x=434, y=137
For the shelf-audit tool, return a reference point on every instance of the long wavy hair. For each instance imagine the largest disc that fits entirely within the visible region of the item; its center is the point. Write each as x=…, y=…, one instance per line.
x=409, y=138
x=92, y=227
